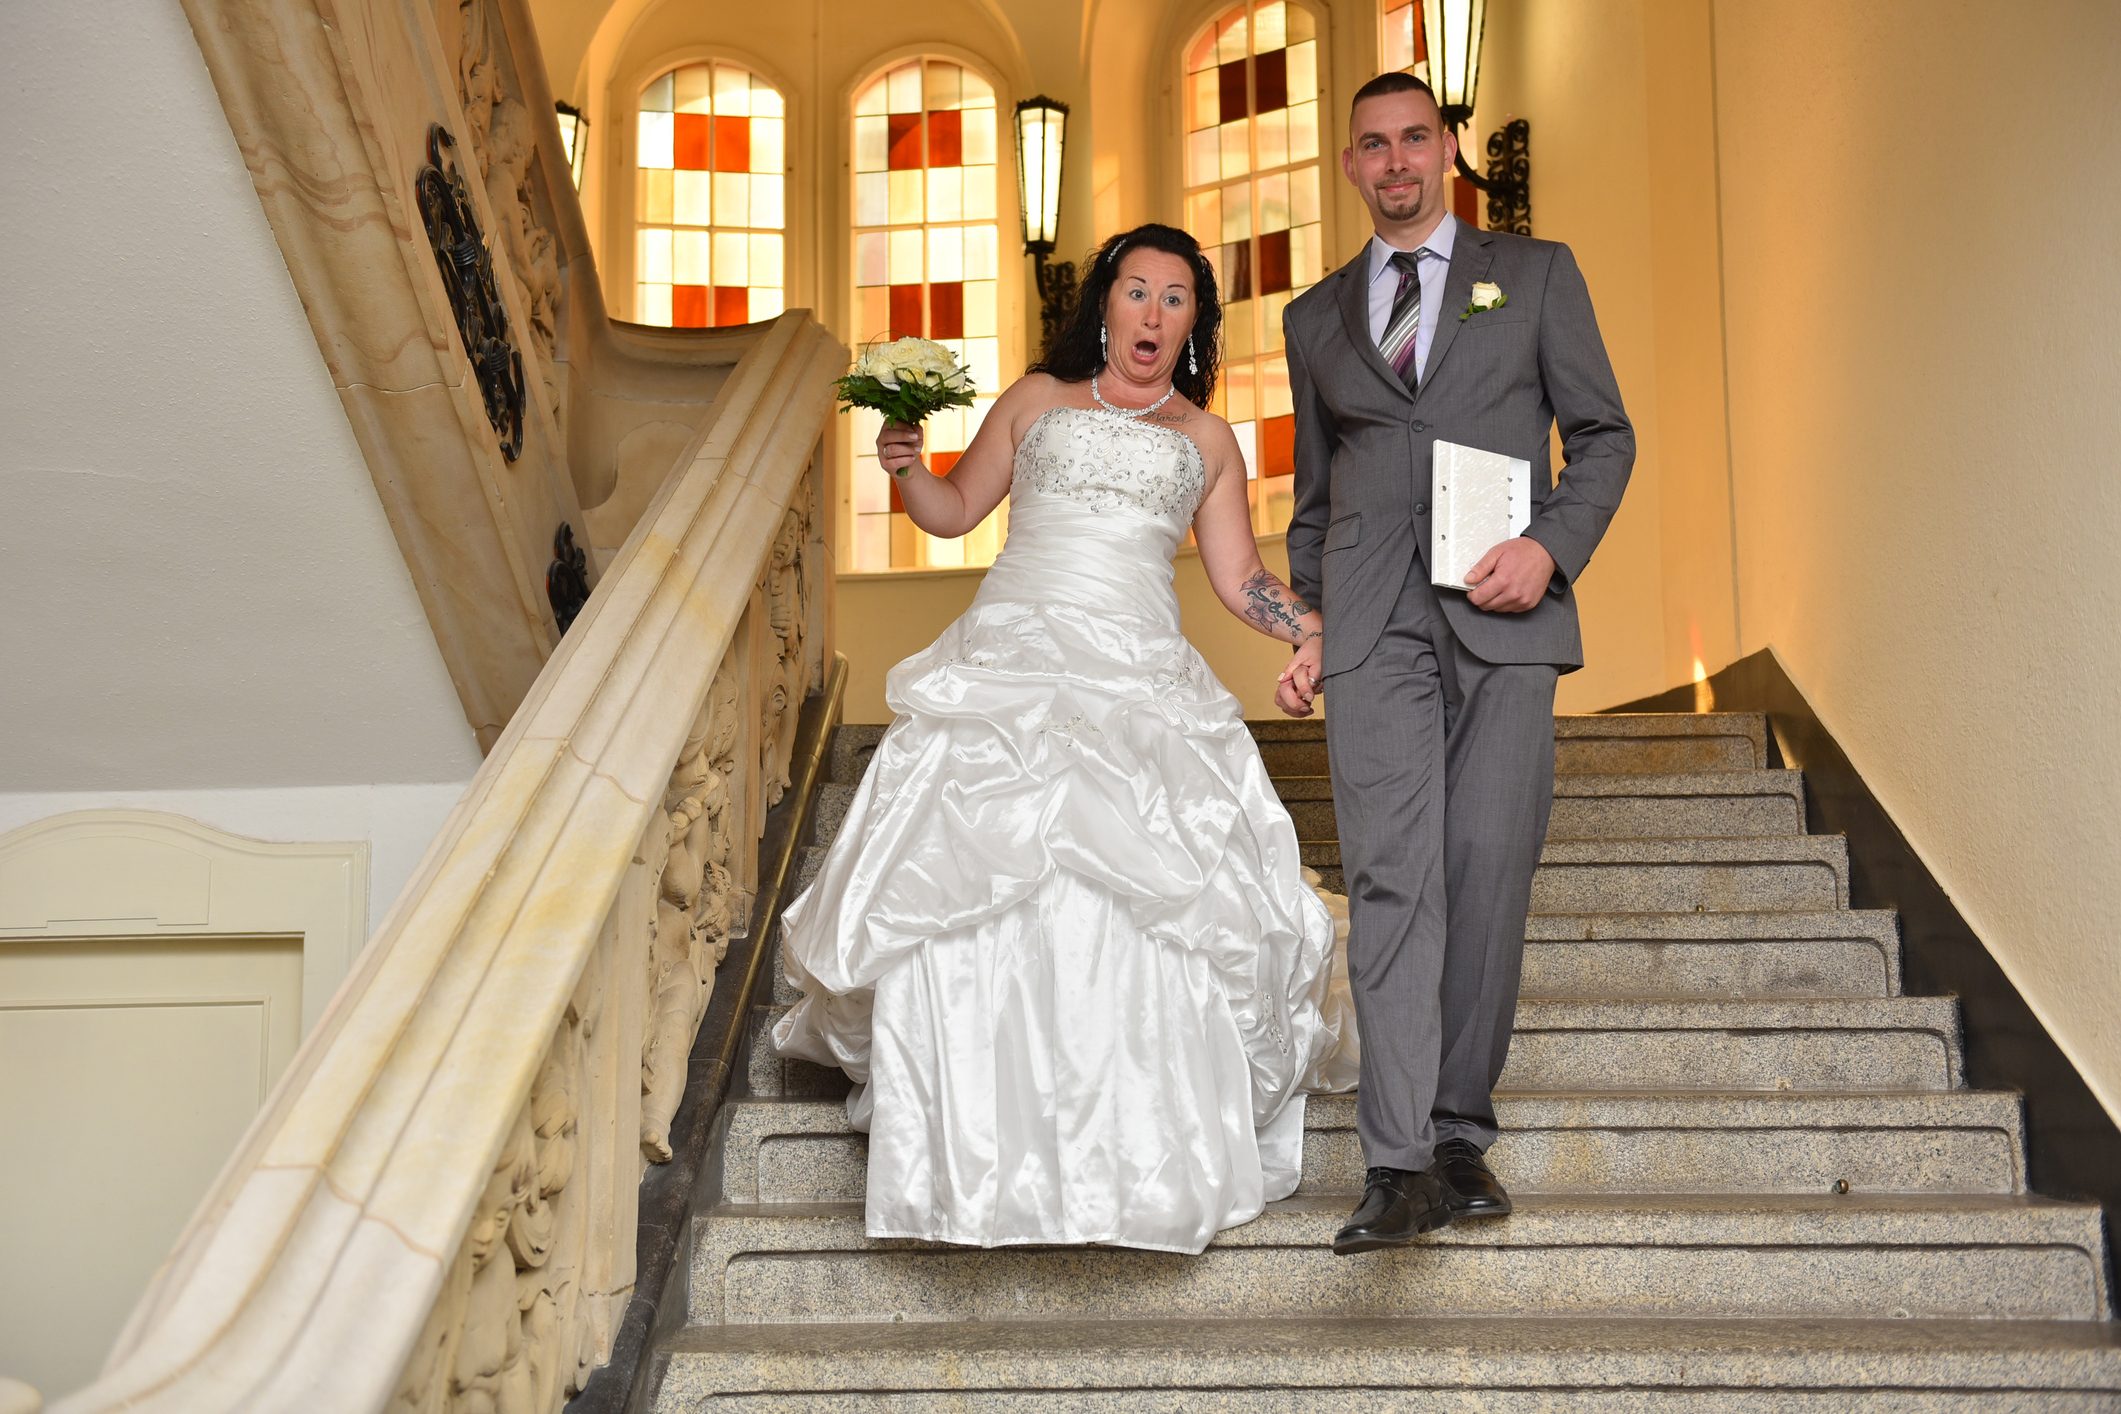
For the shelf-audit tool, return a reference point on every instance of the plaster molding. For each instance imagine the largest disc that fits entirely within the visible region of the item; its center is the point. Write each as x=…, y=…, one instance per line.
x=149, y=874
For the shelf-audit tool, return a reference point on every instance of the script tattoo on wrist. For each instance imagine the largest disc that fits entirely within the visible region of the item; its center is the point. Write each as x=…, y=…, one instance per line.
x=1273, y=608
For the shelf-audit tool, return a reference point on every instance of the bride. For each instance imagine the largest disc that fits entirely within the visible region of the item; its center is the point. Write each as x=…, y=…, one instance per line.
x=1063, y=943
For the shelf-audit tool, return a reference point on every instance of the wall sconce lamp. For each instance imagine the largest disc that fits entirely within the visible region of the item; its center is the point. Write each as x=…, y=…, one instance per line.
x=1041, y=143
x=574, y=138
x=1451, y=29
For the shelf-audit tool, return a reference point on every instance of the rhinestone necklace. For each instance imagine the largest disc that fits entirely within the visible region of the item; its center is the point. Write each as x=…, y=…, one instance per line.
x=1169, y=393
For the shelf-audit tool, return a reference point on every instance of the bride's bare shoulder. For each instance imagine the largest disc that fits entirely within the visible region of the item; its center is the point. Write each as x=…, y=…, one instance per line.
x=1210, y=434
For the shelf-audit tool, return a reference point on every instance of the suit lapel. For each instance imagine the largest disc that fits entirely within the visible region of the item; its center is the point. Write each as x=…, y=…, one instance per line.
x=1354, y=280
x=1471, y=255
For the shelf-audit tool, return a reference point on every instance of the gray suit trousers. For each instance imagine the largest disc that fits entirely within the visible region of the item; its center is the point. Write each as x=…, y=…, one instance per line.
x=1443, y=775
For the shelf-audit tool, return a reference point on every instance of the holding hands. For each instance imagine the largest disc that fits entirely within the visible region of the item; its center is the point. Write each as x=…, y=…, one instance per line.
x=1298, y=682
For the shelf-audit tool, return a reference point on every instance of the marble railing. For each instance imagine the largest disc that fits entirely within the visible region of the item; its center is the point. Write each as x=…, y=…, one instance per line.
x=436, y=1208
x=336, y=106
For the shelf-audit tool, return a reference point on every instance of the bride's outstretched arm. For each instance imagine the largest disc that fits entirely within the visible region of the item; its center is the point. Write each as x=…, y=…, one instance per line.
x=954, y=503
x=1230, y=553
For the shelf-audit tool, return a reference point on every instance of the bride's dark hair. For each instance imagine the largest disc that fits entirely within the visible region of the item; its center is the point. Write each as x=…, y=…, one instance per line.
x=1076, y=354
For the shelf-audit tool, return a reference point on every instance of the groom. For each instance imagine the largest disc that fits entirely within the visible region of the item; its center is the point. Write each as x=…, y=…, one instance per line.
x=1440, y=714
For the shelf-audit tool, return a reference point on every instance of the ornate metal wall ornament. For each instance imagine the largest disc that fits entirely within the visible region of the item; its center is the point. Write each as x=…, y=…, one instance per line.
x=1056, y=299
x=467, y=274
x=567, y=579
x=1509, y=178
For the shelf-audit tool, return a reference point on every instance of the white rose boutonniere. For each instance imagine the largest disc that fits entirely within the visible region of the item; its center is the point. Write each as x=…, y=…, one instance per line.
x=1487, y=295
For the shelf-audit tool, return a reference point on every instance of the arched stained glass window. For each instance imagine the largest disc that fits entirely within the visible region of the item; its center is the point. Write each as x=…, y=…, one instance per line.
x=1252, y=197
x=927, y=261
x=710, y=164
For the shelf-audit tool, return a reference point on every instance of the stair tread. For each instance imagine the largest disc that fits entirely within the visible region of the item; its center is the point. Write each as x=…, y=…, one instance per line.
x=1715, y=1013
x=1373, y=1351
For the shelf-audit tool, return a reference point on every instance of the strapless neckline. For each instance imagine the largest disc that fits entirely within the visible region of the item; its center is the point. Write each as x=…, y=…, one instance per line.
x=1114, y=419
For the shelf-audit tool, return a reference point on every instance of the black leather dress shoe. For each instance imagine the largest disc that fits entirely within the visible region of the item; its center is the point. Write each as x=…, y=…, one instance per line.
x=1473, y=1189
x=1398, y=1205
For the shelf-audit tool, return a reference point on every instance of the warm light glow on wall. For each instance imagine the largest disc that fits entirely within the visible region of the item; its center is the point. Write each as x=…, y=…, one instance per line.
x=1452, y=29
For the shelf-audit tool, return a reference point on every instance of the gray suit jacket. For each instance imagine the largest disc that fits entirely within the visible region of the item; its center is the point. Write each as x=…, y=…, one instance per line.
x=1497, y=381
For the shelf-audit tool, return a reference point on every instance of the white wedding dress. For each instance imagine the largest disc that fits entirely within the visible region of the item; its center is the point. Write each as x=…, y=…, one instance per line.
x=1064, y=943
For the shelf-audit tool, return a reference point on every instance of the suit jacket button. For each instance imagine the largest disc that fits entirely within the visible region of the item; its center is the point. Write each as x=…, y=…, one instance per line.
x=1421, y=508
x=1421, y=427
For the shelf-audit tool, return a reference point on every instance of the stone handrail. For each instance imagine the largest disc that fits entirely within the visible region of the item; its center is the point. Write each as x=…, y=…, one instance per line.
x=436, y=1207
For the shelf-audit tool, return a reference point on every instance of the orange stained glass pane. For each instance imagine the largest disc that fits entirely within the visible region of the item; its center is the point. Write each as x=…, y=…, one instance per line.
x=905, y=141
x=732, y=305
x=906, y=311
x=732, y=144
x=1277, y=446
x=690, y=142
x=688, y=306
x=946, y=310
x=946, y=145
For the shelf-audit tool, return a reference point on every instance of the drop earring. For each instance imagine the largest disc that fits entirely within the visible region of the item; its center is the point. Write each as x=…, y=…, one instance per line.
x=1104, y=349
x=1192, y=363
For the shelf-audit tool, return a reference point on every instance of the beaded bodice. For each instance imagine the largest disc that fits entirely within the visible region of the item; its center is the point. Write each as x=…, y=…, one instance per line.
x=1105, y=461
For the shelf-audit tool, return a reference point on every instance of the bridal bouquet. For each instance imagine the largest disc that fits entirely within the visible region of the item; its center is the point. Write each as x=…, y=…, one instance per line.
x=907, y=380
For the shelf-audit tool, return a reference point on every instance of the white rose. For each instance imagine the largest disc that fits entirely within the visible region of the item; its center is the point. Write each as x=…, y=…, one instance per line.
x=1486, y=294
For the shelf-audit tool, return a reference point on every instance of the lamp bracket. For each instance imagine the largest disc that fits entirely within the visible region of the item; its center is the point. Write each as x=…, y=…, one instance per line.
x=1508, y=182
x=1056, y=297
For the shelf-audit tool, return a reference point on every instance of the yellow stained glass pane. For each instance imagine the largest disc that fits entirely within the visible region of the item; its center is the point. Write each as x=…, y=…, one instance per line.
x=946, y=194
x=942, y=86
x=695, y=89
x=652, y=304
x=1204, y=213
x=1222, y=277
x=654, y=257
x=655, y=196
x=979, y=193
x=1303, y=132
x=872, y=484
x=688, y=260
x=732, y=258
x=768, y=139
x=905, y=85
x=1203, y=100
x=907, y=198
x=766, y=100
x=870, y=258
x=766, y=271
x=1203, y=156
x=1274, y=138
x=976, y=141
x=1276, y=502
x=905, y=261
x=1303, y=72
x=946, y=254
x=1233, y=37
x=1270, y=309
x=653, y=148
x=732, y=198
x=873, y=99
x=982, y=258
x=980, y=309
x=1303, y=195
x=872, y=199
x=690, y=191
x=1398, y=48
x=1238, y=341
x=945, y=431
x=1306, y=254
x=1236, y=140
x=656, y=97
x=732, y=91
x=978, y=92
x=872, y=538
x=1238, y=384
x=1270, y=28
x=984, y=358
x=946, y=554
x=1274, y=387
x=872, y=143
x=1301, y=24
x=873, y=319
x=1237, y=212
x=1247, y=433
x=1274, y=203
x=769, y=202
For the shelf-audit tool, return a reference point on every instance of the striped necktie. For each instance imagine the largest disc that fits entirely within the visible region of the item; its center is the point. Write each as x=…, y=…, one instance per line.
x=1403, y=328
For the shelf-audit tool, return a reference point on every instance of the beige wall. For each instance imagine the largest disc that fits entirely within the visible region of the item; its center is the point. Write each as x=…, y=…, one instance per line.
x=1919, y=211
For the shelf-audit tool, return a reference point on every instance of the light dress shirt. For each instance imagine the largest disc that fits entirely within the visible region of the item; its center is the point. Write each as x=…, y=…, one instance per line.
x=1435, y=269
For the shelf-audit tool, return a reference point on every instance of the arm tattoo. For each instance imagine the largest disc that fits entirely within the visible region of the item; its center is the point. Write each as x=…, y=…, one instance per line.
x=1275, y=609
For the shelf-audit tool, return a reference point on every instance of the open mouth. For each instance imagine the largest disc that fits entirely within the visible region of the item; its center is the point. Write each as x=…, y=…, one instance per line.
x=1145, y=351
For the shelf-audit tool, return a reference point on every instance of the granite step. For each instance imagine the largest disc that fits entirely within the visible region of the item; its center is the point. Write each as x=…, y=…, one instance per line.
x=1605, y=743
x=1700, y=805
x=1923, y=1256
x=1833, y=953
x=1347, y=1364
x=1564, y=1044
x=805, y=1151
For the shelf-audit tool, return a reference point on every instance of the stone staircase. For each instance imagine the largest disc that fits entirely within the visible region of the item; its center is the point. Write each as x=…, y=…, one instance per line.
x=1746, y=1175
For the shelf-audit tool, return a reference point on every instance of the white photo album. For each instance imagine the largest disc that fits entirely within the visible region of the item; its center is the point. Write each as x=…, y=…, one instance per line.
x=1477, y=500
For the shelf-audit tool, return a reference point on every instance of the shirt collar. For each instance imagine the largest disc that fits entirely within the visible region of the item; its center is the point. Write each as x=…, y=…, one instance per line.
x=1440, y=242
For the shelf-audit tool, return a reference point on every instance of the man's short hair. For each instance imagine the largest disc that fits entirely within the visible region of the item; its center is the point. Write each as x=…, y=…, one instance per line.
x=1397, y=81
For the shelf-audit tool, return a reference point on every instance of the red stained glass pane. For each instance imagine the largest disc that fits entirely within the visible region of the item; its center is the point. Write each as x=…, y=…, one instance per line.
x=732, y=144
x=1277, y=446
x=946, y=139
x=941, y=462
x=1274, y=263
x=1232, y=83
x=688, y=306
x=946, y=311
x=732, y=305
x=905, y=141
x=690, y=141
x=1271, y=76
x=1465, y=203
x=906, y=311
x=898, y=502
